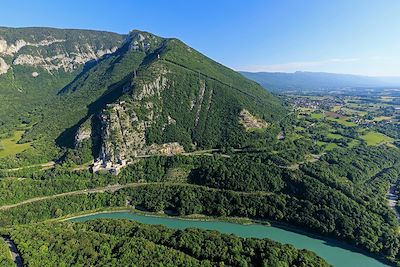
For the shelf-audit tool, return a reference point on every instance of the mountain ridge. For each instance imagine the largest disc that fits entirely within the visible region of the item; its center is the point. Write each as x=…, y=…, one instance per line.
x=305, y=80
x=134, y=81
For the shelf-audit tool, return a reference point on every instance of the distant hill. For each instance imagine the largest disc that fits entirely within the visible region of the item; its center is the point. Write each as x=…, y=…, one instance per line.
x=317, y=81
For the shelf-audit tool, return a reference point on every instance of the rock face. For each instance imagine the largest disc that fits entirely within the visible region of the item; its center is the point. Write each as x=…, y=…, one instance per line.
x=251, y=122
x=84, y=133
x=3, y=66
x=123, y=134
x=124, y=130
x=65, y=62
x=54, y=50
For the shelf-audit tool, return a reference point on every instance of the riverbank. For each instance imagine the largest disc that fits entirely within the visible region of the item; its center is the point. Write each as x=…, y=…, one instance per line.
x=333, y=251
x=163, y=214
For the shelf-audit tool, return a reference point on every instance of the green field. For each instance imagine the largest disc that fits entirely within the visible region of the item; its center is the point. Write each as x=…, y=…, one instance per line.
x=9, y=146
x=343, y=121
x=382, y=118
x=350, y=111
x=374, y=138
x=334, y=136
x=317, y=115
x=327, y=146
x=353, y=143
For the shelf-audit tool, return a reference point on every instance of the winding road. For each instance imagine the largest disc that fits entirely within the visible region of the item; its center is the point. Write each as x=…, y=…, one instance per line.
x=108, y=188
x=116, y=187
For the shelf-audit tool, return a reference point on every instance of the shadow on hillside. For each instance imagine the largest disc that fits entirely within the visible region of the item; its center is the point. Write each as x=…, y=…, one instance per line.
x=72, y=86
x=67, y=138
x=69, y=87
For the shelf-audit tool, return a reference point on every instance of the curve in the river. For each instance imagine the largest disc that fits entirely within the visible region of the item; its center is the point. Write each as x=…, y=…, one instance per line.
x=335, y=253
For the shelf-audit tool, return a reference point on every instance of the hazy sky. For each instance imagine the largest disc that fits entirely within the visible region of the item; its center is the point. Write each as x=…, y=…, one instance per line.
x=343, y=36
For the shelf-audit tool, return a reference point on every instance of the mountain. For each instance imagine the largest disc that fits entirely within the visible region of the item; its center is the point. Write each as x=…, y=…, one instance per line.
x=317, y=81
x=35, y=63
x=125, y=96
x=199, y=138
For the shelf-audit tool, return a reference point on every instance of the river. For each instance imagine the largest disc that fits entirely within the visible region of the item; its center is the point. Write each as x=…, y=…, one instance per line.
x=335, y=253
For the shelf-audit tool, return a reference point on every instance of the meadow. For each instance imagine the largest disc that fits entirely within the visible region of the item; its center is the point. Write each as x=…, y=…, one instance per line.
x=9, y=146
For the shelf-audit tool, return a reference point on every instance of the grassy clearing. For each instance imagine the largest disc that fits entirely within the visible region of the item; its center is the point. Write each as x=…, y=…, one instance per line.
x=350, y=112
x=9, y=146
x=353, y=143
x=336, y=108
x=327, y=146
x=178, y=174
x=382, y=118
x=334, y=136
x=317, y=115
x=374, y=138
x=343, y=121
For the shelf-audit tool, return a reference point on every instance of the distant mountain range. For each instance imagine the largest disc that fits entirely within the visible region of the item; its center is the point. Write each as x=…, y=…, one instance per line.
x=317, y=81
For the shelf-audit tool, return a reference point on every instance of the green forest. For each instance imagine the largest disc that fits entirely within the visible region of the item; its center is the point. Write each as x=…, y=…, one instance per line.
x=308, y=171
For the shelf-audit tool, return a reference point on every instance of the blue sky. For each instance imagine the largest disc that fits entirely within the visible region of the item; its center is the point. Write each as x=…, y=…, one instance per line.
x=342, y=36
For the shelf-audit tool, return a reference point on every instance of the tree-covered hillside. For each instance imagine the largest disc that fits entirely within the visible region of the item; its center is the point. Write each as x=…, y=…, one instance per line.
x=125, y=243
x=192, y=136
x=39, y=62
x=150, y=91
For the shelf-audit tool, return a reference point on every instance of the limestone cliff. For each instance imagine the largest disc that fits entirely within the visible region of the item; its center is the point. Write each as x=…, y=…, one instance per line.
x=53, y=50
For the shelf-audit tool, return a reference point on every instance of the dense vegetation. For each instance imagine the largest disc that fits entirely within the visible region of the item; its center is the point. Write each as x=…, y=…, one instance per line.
x=318, y=176
x=120, y=243
x=5, y=256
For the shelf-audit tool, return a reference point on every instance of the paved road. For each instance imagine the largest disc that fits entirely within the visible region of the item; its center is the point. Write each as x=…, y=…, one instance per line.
x=116, y=187
x=44, y=166
x=13, y=251
x=108, y=188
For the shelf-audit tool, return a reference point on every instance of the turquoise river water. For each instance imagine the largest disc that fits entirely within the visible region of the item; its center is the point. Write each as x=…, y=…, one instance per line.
x=333, y=252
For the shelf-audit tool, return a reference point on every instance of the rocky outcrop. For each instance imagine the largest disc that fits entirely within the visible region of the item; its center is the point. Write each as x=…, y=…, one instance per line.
x=3, y=66
x=199, y=100
x=84, y=133
x=166, y=149
x=153, y=88
x=123, y=135
x=11, y=49
x=50, y=54
x=124, y=124
x=66, y=62
x=251, y=122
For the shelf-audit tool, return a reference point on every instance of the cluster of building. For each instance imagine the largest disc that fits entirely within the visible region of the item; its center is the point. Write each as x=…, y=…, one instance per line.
x=326, y=103
x=109, y=166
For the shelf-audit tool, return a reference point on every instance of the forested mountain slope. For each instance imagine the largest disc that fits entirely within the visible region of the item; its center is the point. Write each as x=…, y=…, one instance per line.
x=152, y=95
x=200, y=138
x=35, y=63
